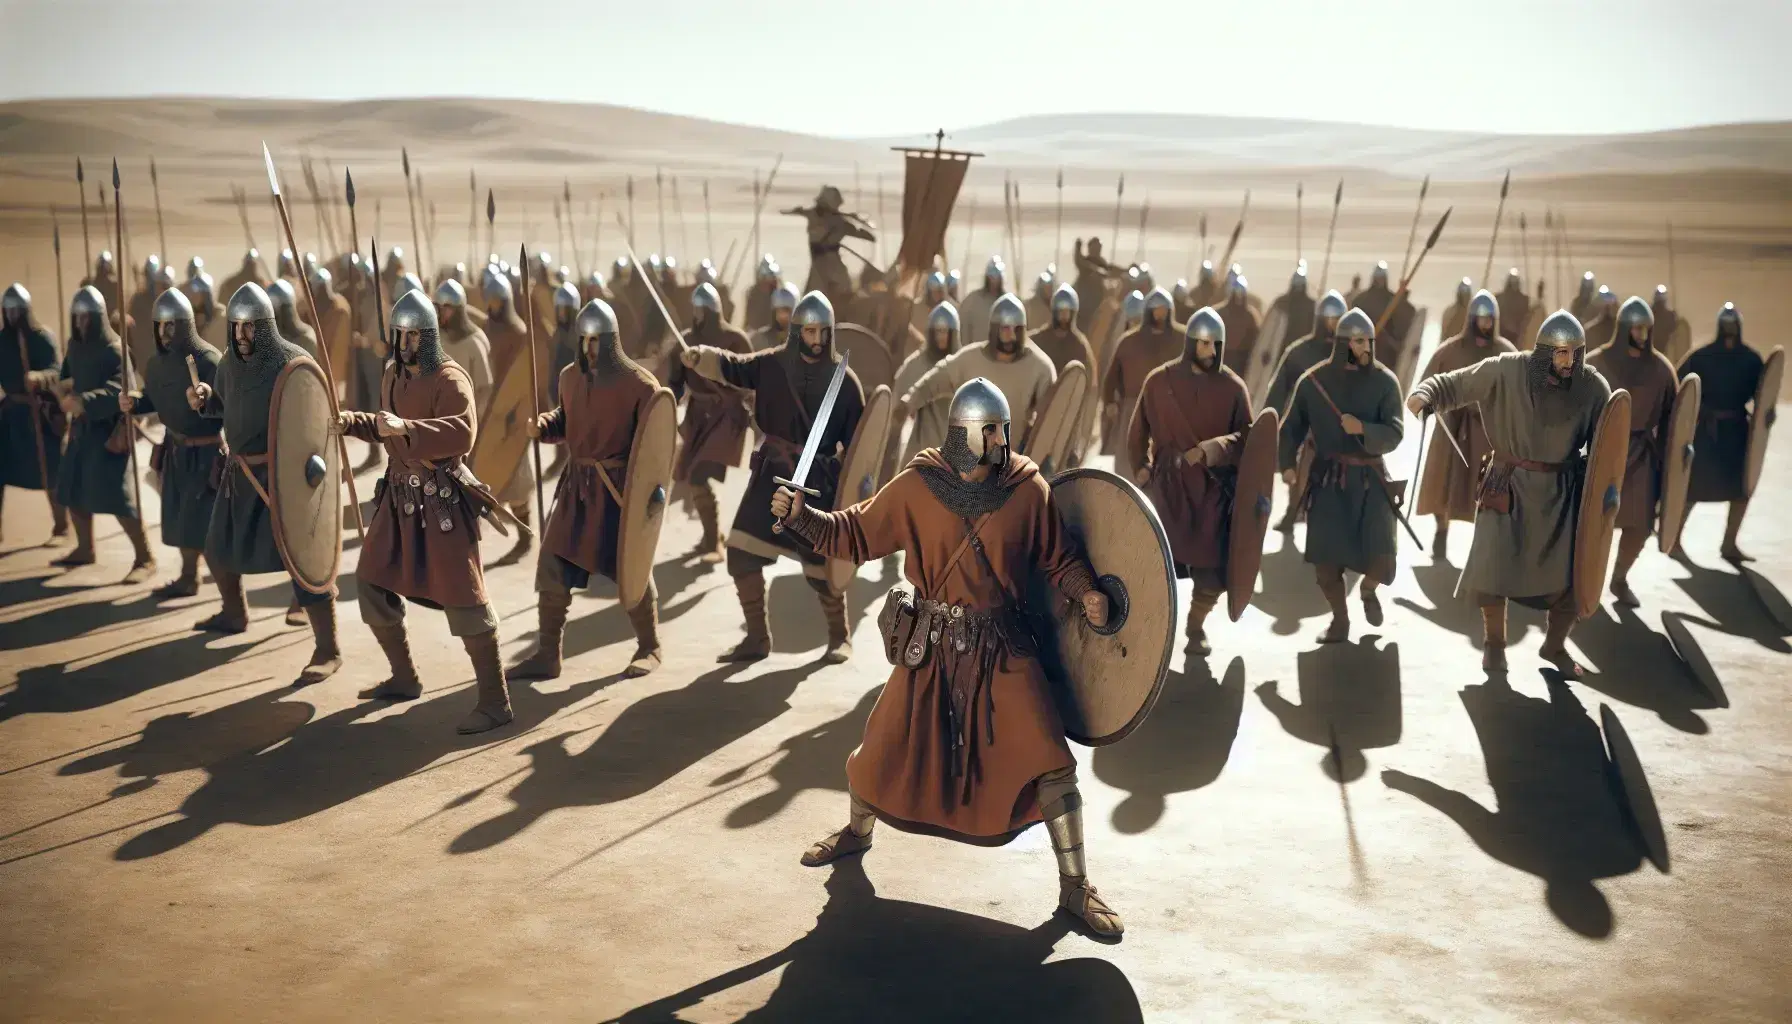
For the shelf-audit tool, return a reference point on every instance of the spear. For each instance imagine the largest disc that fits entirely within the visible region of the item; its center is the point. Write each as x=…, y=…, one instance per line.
x=1020, y=243
x=1406, y=279
x=1203, y=250
x=559, y=228
x=1119, y=193
x=323, y=351
x=1232, y=246
x=1144, y=214
x=411, y=205
x=684, y=238
x=652, y=293
x=597, y=238
x=659, y=203
x=155, y=183
x=130, y=427
x=1552, y=250
x=1524, y=244
x=709, y=230
x=880, y=217
x=56, y=247
x=572, y=228
x=472, y=220
x=1058, y=245
x=1567, y=247
x=1331, y=232
x=764, y=194
x=100, y=192
x=429, y=224
x=37, y=427
x=1413, y=233
x=335, y=223
x=317, y=206
x=352, y=371
x=242, y=214
x=1673, y=284
x=81, y=190
x=1498, y=213
x=970, y=231
x=491, y=216
x=1300, y=192
x=631, y=210
x=522, y=260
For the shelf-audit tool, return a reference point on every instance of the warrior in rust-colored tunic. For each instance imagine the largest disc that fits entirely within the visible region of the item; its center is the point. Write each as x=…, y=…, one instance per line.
x=423, y=543
x=789, y=385
x=1729, y=374
x=1446, y=485
x=1186, y=435
x=1064, y=343
x=602, y=396
x=1632, y=362
x=715, y=418
x=1158, y=340
x=965, y=741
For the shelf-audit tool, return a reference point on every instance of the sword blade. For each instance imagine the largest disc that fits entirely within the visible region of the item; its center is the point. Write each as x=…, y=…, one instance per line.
x=820, y=426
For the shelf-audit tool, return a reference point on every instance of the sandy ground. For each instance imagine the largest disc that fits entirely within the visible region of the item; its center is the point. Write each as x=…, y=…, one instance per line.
x=184, y=837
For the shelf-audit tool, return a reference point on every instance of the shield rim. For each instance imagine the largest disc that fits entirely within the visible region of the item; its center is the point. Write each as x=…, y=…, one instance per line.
x=1409, y=351
x=1676, y=471
x=1051, y=395
x=1587, y=592
x=1061, y=453
x=1262, y=368
x=1771, y=367
x=630, y=494
x=518, y=369
x=1235, y=604
x=1169, y=652
x=279, y=391
x=883, y=348
x=840, y=572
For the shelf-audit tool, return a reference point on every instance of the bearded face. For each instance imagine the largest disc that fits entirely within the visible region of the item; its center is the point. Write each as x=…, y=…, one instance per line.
x=1328, y=326
x=409, y=344
x=1561, y=363
x=1361, y=351
x=781, y=317
x=15, y=317
x=814, y=342
x=1160, y=318
x=1206, y=354
x=242, y=337
x=1639, y=337
x=1008, y=339
x=1061, y=318
x=165, y=335
x=942, y=339
x=1484, y=327
x=1729, y=330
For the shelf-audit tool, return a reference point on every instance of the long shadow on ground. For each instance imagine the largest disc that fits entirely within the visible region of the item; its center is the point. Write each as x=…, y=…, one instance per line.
x=1349, y=703
x=1181, y=747
x=52, y=689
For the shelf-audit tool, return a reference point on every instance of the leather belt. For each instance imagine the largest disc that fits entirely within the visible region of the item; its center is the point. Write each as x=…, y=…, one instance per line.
x=1514, y=462
x=602, y=468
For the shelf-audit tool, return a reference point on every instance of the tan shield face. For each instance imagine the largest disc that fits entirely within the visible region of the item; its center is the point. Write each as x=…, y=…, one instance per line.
x=1269, y=349
x=1680, y=341
x=1101, y=329
x=1055, y=424
x=1599, y=494
x=862, y=465
x=503, y=432
x=1106, y=681
x=871, y=359
x=1409, y=352
x=1765, y=396
x=1253, y=496
x=305, y=476
x=645, y=496
x=1676, y=463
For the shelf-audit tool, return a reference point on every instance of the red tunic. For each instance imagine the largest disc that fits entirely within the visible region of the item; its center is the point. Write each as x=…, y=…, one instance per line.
x=1180, y=408
x=596, y=420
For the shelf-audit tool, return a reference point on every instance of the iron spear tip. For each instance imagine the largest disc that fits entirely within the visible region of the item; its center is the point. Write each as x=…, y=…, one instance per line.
x=152, y=168
x=1436, y=231
x=348, y=186
x=405, y=157
x=115, y=179
x=273, y=179
x=1506, y=184
x=491, y=206
x=80, y=174
x=1338, y=196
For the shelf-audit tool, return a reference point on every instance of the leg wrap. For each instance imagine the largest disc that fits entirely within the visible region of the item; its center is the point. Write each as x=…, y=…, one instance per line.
x=703, y=496
x=1200, y=605
x=189, y=566
x=1493, y=623
x=860, y=817
x=833, y=609
x=645, y=618
x=1061, y=805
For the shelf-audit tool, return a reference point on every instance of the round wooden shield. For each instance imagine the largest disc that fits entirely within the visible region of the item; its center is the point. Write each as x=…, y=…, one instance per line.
x=1269, y=349
x=1676, y=468
x=503, y=438
x=871, y=359
x=305, y=476
x=861, y=466
x=1408, y=363
x=1765, y=396
x=1106, y=680
x=645, y=495
x=1101, y=329
x=1054, y=427
x=1599, y=496
x=1253, y=496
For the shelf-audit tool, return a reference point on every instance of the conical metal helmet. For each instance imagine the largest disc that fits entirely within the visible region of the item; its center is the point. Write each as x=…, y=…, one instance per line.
x=250, y=303
x=1464, y=289
x=451, y=293
x=1379, y=276
x=595, y=280
x=1133, y=309
x=1356, y=324
x=1587, y=283
x=1179, y=292
x=1008, y=311
x=407, y=282
x=936, y=283
x=705, y=296
x=322, y=281
x=1484, y=304
x=89, y=300
x=944, y=315
x=413, y=312
x=976, y=404
x=1332, y=305
x=783, y=297
x=1634, y=311
x=1607, y=297
x=17, y=297
x=595, y=319
x=495, y=285
x=151, y=267
x=566, y=296
x=170, y=306
x=1159, y=299
x=813, y=308
x=1066, y=298
x=1562, y=330
x=1206, y=274
x=165, y=277
x=282, y=295
x=1729, y=314
x=1206, y=325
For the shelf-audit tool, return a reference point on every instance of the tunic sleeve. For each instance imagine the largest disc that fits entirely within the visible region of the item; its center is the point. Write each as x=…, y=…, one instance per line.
x=142, y=404
x=1138, y=432
x=1110, y=380
x=1225, y=449
x=1042, y=383
x=740, y=369
x=101, y=403
x=450, y=431
x=553, y=425
x=1383, y=434
x=1058, y=555
x=362, y=426
x=1294, y=430
x=938, y=384
x=1455, y=389
x=866, y=532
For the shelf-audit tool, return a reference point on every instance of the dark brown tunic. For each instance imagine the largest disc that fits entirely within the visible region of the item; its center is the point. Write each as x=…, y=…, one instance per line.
x=1242, y=327
x=408, y=553
x=1182, y=407
x=1729, y=376
x=1134, y=357
x=596, y=420
x=1650, y=379
x=906, y=767
x=714, y=430
x=1447, y=487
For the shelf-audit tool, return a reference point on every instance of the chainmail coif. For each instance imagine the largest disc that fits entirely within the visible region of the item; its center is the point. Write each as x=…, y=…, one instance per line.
x=962, y=497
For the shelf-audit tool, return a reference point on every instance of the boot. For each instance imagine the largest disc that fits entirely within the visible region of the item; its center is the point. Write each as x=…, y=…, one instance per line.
x=184, y=585
x=1200, y=606
x=1371, y=603
x=493, y=709
x=295, y=613
x=233, y=617
x=1331, y=584
x=58, y=520
x=1075, y=895
x=757, y=645
x=404, y=684
x=1555, y=643
x=326, y=657
x=551, y=607
x=143, y=562
x=1493, y=638
x=854, y=838
x=833, y=608
x=83, y=552
x=709, y=548
x=645, y=617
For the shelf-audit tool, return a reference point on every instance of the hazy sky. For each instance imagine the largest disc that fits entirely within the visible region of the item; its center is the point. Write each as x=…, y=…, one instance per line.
x=855, y=68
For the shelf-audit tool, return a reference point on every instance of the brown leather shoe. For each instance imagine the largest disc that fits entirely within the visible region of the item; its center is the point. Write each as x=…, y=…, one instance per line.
x=1079, y=899
x=843, y=843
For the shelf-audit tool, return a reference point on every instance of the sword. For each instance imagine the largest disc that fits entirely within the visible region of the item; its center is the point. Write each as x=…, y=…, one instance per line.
x=810, y=446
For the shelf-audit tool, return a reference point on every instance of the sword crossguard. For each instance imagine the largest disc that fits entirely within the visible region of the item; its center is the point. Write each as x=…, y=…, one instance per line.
x=778, y=525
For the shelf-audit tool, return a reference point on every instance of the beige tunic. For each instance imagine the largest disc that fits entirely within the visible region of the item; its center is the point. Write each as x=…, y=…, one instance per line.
x=1024, y=380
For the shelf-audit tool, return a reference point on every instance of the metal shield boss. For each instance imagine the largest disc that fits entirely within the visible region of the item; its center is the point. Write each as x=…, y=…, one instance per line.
x=1766, y=394
x=870, y=357
x=1253, y=495
x=305, y=476
x=1106, y=680
x=1600, y=492
x=861, y=465
x=1676, y=463
x=1055, y=423
x=503, y=439
x=645, y=494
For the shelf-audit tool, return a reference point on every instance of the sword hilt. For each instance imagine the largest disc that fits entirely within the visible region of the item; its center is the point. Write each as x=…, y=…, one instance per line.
x=778, y=524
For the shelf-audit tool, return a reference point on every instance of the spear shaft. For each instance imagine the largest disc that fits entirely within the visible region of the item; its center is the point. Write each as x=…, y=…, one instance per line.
x=410, y=204
x=130, y=424
x=155, y=183
x=1406, y=279
x=1413, y=234
x=81, y=190
x=352, y=372
x=62, y=297
x=1300, y=192
x=1498, y=213
x=472, y=220
x=1331, y=232
x=1058, y=245
x=522, y=258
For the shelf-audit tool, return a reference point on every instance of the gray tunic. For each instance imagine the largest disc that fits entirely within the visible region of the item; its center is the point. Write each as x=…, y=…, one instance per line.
x=1350, y=521
x=1528, y=553
x=188, y=493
